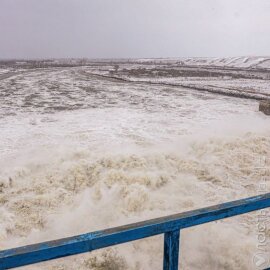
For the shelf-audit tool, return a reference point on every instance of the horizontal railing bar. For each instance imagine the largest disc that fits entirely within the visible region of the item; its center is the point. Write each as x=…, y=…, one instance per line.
x=91, y=241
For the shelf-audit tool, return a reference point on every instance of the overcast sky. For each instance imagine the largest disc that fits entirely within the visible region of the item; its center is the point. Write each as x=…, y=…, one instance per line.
x=133, y=28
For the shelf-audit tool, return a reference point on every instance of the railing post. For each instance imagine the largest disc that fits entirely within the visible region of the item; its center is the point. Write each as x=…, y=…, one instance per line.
x=171, y=250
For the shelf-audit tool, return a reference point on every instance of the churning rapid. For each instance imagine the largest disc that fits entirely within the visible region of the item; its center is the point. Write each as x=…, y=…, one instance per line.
x=79, y=153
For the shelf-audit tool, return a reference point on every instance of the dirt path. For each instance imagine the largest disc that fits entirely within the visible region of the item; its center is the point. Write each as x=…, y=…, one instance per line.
x=9, y=75
x=232, y=92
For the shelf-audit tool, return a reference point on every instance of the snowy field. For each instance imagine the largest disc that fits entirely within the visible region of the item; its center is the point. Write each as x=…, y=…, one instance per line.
x=82, y=150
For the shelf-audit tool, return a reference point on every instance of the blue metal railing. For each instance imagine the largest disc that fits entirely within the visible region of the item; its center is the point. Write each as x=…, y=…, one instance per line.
x=170, y=226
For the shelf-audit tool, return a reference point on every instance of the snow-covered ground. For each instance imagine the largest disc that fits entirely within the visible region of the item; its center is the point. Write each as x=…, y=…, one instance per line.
x=4, y=71
x=240, y=76
x=236, y=62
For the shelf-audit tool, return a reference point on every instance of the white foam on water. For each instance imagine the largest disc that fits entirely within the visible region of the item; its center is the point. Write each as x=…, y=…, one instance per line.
x=73, y=172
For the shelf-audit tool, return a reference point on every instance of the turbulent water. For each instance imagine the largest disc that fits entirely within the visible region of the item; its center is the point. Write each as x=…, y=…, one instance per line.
x=80, y=153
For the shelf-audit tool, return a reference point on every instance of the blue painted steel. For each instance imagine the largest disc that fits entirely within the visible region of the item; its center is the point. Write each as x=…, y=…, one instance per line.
x=171, y=250
x=91, y=241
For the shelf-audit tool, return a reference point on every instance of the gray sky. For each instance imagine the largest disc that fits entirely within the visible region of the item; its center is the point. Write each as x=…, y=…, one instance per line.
x=133, y=28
